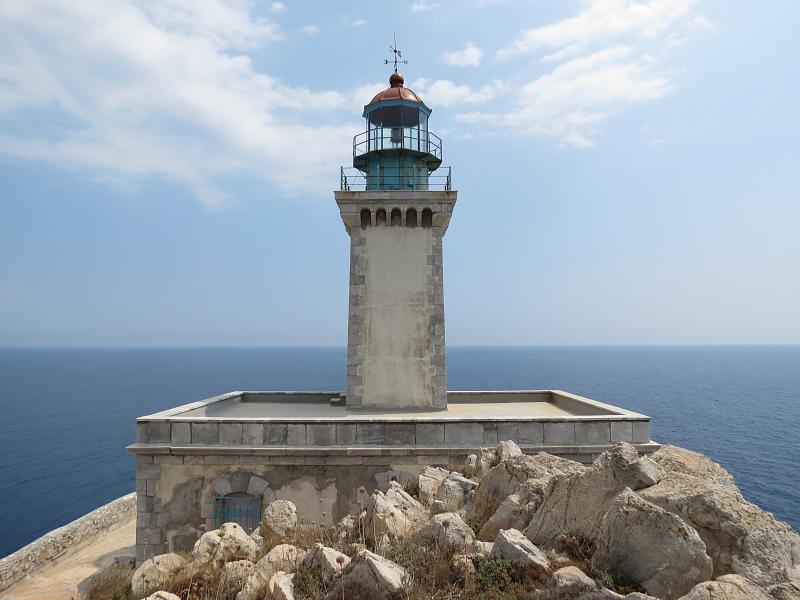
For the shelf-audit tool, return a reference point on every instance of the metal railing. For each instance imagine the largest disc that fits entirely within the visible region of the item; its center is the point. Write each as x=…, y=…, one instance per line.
x=353, y=180
x=397, y=138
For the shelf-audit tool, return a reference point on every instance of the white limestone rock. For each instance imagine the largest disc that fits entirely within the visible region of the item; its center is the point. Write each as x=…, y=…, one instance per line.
x=282, y=557
x=462, y=565
x=727, y=587
x=326, y=561
x=740, y=537
x=506, y=449
x=577, y=499
x=449, y=527
x=504, y=479
x=281, y=586
x=479, y=549
x=228, y=543
x=569, y=576
x=368, y=566
x=155, y=573
x=430, y=480
x=394, y=513
x=453, y=493
x=513, y=546
x=785, y=591
x=279, y=520
x=162, y=596
x=650, y=546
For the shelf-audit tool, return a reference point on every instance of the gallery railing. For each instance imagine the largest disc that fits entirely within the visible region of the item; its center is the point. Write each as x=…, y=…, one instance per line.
x=397, y=139
x=353, y=180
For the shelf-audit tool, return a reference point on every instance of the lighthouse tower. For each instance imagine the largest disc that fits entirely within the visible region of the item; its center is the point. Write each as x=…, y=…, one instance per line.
x=396, y=204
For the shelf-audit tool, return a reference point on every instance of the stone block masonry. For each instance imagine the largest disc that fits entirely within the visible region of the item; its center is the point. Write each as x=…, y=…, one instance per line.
x=396, y=331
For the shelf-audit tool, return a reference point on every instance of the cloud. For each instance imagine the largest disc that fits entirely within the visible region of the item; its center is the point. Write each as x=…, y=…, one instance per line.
x=571, y=101
x=135, y=89
x=444, y=92
x=600, y=21
x=423, y=6
x=470, y=56
x=277, y=8
x=358, y=23
x=310, y=29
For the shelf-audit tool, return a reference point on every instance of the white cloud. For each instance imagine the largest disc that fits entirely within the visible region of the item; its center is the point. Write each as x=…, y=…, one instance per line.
x=310, y=29
x=423, y=6
x=571, y=101
x=470, y=56
x=358, y=23
x=130, y=89
x=444, y=92
x=277, y=8
x=600, y=21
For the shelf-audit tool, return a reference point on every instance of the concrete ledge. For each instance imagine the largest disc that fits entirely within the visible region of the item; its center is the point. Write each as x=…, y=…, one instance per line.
x=80, y=532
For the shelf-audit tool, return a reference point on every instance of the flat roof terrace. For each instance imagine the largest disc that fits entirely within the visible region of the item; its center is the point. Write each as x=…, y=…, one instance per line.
x=265, y=422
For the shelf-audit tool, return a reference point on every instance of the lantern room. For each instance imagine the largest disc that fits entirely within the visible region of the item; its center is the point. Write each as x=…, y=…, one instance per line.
x=397, y=151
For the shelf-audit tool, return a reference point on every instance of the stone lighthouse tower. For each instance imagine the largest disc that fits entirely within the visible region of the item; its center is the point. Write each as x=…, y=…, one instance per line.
x=396, y=204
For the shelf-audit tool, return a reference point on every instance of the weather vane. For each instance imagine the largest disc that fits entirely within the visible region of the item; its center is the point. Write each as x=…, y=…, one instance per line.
x=398, y=56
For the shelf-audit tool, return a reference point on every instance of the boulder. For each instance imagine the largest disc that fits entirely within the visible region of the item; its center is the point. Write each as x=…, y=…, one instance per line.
x=228, y=543
x=394, y=513
x=162, y=596
x=650, y=546
x=511, y=545
x=462, y=565
x=325, y=561
x=449, y=527
x=576, y=500
x=505, y=450
x=374, y=569
x=282, y=557
x=517, y=510
x=281, y=586
x=727, y=587
x=504, y=479
x=639, y=596
x=740, y=537
x=480, y=549
x=237, y=572
x=279, y=520
x=256, y=537
x=785, y=591
x=154, y=574
x=453, y=493
x=430, y=480
x=568, y=576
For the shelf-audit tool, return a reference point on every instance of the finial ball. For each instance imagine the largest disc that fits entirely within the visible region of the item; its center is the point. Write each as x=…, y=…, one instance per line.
x=396, y=80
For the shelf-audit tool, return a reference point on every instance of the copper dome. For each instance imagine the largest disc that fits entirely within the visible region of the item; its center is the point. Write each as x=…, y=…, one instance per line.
x=396, y=91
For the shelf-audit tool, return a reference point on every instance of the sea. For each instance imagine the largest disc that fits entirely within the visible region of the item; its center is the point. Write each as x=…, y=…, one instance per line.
x=66, y=415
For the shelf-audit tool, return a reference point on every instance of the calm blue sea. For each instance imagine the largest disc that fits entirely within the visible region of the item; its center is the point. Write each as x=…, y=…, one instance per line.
x=67, y=414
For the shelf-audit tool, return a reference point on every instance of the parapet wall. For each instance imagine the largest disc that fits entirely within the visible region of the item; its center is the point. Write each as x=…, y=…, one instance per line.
x=88, y=528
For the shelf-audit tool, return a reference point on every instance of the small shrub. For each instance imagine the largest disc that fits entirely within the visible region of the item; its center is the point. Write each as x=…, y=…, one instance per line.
x=494, y=461
x=113, y=583
x=493, y=574
x=308, y=585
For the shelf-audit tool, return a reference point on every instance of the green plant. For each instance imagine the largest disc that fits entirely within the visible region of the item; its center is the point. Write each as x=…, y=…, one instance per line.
x=308, y=585
x=494, y=461
x=493, y=574
x=412, y=487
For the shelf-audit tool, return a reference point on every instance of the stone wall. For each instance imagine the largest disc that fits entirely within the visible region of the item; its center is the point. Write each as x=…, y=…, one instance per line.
x=80, y=532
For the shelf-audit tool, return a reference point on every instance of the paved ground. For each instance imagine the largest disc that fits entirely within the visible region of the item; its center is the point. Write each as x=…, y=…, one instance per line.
x=58, y=581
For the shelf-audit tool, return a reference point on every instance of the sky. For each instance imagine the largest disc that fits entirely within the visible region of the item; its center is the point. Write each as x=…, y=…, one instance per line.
x=628, y=172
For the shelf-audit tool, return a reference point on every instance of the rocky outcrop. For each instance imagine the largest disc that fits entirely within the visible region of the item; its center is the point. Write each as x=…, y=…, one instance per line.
x=155, y=574
x=504, y=479
x=228, y=543
x=282, y=557
x=576, y=501
x=279, y=520
x=727, y=587
x=569, y=576
x=449, y=528
x=740, y=537
x=430, y=480
x=644, y=543
x=393, y=514
x=281, y=586
x=374, y=569
x=785, y=591
x=325, y=561
x=453, y=493
x=511, y=545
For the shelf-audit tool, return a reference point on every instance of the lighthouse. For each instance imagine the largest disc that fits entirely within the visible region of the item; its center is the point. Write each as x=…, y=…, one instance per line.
x=396, y=204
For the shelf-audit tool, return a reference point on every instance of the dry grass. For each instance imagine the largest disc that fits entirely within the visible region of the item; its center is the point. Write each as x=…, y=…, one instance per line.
x=112, y=583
